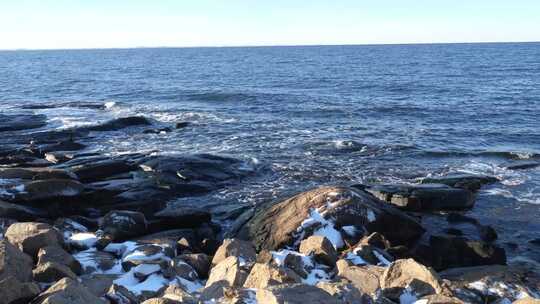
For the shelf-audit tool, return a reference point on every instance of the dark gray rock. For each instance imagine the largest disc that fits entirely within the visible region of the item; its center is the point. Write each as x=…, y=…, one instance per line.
x=179, y=217
x=520, y=164
x=18, y=122
x=19, y=212
x=102, y=170
x=466, y=181
x=122, y=225
x=119, y=123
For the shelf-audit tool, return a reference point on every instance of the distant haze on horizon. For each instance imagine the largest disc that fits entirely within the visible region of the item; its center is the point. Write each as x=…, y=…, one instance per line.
x=72, y=24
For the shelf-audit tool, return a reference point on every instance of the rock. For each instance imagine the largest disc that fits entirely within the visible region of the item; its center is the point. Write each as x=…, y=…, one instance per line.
x=345, y=292
x=440, y=299
x=181, y=217
x=209, y=246
x=119, y=123
x=409, y=275
x=18, y=122
x=121, y=295
x=230, y=270
x=31, y=236
x=264, y=275
x=98, y=284
x=161, y=301
x=295, y=263
x=157, y=131
x=369, y=254
x=365, y=278
x=50, y=272
x=184, y=270
x=19, y=212
x=199, y=261
x=235, y=247
x=320, y=248
x=295, y=294
x=454, y=251
x=487, y=233
x=35, y=173
x=146, y=254
x=93, y=260
x=520, y=164
x=122, y=225
x=102, y=170
x=58, y=157
x=14, y=291
x=376, y=240
x=14, y=263
x=169, y=238
x=214, y=291
x=181, y=125
x=67, y=291
x=277, y=226
x=527, y=300
x=426, y=197
x=58, y=255
x=67, y=145
x=176, y=293
x=43, y=190
x=466, y=181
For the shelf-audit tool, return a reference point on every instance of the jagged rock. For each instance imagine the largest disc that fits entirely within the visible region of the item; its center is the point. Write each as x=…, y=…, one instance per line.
x=277, y=226
x=230, y=270
x=35, y=173
x=58, y=255
x=14, y=291
x=365, y=278
x=67, y=291
x=235, y=247
x=345, y=292
x=119, y=123
x=122, y=225
x=408, y=274
x=98, y=284
x=42, y=190
x=295, y=294
x=264, y=275
x=21, y=121
x=199, y=261
x=176, y=293
x=19, y=212
x=93, y=260
x=120, y=295
x=146, y=254
x=376, y=240
x=181, y=217
x=471, y=182
x=369, y=254
x=320, y=248
x=425, y=197
x=50, y=272
x=295, y=263
x=440, y=299
x=184, y=270
x=14, y=263
x=31, y=236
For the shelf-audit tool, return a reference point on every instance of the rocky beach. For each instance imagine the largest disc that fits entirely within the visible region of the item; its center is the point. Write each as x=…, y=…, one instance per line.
x=79, y=225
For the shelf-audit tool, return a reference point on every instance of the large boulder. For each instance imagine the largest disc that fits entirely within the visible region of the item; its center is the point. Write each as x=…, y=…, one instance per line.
x=366, y=278
x=15, y=291
x=67, y=291
x=180, y=217
x=323, y=211
x=407, y=275
x=199, y=261
x=320, y=248
x=58, y=255
x=231, y=271
x=14, y=263
x=100, y=170
x=345, y=292
x=51, y=272
x=122, y=225
x=235, y=247
x=20, y=212
x=43, y=190
x=31, y=236
x=425, y=197
x=264, y=275
x=295, y=294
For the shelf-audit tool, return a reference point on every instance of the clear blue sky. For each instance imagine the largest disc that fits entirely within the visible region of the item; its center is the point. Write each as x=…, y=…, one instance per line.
x=132, y=23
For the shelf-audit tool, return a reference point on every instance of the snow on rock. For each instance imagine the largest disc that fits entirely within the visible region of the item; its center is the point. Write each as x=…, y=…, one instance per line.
x=325, y=228
x=407, y=297
x=83, y=239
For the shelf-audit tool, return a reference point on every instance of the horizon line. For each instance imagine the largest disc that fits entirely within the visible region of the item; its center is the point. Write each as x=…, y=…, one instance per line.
x=262, y=45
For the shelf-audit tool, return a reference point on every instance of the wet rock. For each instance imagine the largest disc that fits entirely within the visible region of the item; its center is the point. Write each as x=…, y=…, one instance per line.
x=64, y=146
x=231, y=270
x=19, y=212
x=58, y=255
x=43, y=190
x=320, y=248
x=119, y=123
x=122, y=225
x=14, y=291
x=31, y=236
x=470, y=182
x=181, y=217
x=345, y=292
x=67, y=291
x=277, y=226
x=487, y=233
x=93, y=172
x=365, y=278
x=408, y=275
x=50, y=272
x=35, y=173
x=181, y=125
x=426, y=197
x=18, y=122
x=520, y=164
x=235, y=247
x=264, y=275
x=199, y=261
x=14, y=263
x=295, y=294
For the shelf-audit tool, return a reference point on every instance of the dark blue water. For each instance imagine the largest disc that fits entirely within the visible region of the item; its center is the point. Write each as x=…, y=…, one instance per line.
x=307, y=116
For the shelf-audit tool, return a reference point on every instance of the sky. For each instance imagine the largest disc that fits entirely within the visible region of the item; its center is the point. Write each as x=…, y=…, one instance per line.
x=68, y=24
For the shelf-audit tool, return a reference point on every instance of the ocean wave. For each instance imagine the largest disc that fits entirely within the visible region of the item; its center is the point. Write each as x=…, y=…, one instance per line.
x=512, y=155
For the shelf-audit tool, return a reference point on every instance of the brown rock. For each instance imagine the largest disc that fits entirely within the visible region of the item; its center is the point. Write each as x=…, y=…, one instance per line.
x=365, y=278
x=120, y=294
x=345, y=292
x=14, y=263
x=67, y=291
x=235, y=247
x=295, y=294
x=403, y=274
x=441, y=299
x=376, y=240
x=31, y=236
x=161, y=301
x=60, y=256
x=199, y=261
x=231, y=270
x=98, y=284
x=527, y=300
x=14, y=291
x=51, y=272
x=320, y=248
x=176, y=293
x=264, y=275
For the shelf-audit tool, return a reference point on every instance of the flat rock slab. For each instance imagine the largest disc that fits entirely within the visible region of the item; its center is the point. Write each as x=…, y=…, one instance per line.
x=18, y=122
x=466, y=181
x=520, y=164
x=425, y=197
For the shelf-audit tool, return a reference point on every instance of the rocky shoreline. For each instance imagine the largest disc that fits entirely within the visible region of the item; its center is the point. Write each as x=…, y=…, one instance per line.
x=80, y=227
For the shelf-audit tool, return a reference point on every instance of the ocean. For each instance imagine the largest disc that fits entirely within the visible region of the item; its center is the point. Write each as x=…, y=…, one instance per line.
x=308, y=116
